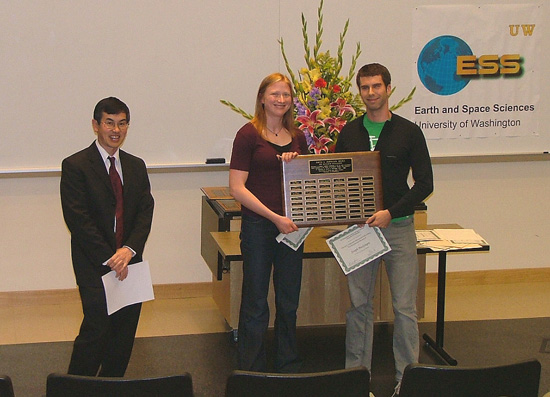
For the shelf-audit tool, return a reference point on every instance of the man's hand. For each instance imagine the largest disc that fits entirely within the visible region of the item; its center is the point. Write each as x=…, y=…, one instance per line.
x=380, y=219
x=119, y=262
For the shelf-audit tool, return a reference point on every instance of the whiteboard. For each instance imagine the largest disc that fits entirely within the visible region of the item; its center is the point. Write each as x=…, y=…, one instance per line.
x=172, y=61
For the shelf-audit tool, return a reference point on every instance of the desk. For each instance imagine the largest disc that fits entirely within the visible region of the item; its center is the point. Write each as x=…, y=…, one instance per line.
x=217, y=217
x=324, y=297
x=228, y=245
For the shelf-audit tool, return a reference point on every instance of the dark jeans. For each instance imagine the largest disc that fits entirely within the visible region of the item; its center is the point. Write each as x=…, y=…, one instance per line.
x=261, y=253
x=105, y=342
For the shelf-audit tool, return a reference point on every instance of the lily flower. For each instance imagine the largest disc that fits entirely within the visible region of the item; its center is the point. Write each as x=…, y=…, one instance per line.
x=335, y=124
x=342, y=107
x=319, y=144
x=310, y=121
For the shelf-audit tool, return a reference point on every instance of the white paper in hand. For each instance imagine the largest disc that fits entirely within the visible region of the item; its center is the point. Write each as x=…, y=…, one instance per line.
x=135, y=288
x=294, y=239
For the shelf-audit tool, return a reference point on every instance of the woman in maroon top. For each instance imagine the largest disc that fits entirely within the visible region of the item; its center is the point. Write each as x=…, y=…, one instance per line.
x=255, y=181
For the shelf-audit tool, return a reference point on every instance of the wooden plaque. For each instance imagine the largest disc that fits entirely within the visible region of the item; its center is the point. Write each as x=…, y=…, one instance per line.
x=332, y=189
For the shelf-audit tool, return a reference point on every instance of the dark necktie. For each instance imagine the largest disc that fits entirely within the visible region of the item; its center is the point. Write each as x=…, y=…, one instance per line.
x=119, y=213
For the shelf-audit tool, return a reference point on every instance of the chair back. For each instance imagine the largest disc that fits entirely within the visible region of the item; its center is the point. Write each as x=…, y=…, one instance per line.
x=513, y=380
x=347, y=382
x=62, y=385
x=6, y=387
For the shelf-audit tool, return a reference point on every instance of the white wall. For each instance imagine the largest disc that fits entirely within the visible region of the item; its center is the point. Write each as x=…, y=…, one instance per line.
x=35, y=244
x=507, y=203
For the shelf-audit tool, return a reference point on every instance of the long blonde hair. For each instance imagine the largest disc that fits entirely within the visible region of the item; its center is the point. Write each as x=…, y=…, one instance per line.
x=260, y=121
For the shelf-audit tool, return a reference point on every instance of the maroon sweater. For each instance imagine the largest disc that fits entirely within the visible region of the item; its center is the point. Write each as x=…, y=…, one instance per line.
x=258, y=157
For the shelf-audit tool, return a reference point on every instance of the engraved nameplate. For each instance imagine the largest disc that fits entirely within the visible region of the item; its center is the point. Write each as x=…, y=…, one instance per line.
x=330, y=166
x=332, y=189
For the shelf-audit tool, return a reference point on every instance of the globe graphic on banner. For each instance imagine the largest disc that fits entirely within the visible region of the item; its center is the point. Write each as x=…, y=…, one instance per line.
x=437, y=65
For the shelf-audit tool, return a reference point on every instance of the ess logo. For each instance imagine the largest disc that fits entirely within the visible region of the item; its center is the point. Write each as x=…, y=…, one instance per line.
x=447, y=64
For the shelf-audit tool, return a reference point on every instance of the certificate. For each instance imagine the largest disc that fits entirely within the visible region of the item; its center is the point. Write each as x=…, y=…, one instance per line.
x=294, y=239
x=356, y=246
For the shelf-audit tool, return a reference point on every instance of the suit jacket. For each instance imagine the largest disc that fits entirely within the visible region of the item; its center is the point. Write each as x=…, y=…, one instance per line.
x=89, y=205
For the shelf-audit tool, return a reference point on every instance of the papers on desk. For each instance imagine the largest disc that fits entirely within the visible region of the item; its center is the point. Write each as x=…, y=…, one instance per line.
x=135, y=288
x=449, y=239
x=294, y=239
x=356, y=246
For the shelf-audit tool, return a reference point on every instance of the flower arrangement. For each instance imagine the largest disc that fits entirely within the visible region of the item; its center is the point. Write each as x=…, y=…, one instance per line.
x=323, y=99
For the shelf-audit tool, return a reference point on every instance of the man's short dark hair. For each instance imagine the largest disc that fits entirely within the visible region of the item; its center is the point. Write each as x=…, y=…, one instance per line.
x=111, y=105
x=373, y=69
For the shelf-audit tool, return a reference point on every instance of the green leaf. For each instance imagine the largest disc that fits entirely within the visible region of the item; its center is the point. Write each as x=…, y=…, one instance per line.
x=237, y=109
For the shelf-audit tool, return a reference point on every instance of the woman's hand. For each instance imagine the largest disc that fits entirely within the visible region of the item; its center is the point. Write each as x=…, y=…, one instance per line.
x=287, y=156
x=285, y=225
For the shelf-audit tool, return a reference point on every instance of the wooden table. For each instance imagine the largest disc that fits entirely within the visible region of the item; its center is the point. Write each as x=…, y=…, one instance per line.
x=228, y=245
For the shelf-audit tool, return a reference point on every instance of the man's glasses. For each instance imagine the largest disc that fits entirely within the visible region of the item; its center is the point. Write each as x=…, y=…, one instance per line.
x=110, y=124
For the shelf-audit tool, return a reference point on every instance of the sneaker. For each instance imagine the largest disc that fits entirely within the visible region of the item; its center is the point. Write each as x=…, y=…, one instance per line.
x=396, y=390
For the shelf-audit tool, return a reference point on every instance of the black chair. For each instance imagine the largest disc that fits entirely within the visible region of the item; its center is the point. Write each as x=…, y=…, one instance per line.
x=347, y=382
x=513, y=380
x=6, y=387
x=62, y=385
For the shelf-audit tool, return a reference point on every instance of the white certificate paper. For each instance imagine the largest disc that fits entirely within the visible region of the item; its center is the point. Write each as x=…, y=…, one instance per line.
x=356, y=246
x=294, y=239
x=135, y=288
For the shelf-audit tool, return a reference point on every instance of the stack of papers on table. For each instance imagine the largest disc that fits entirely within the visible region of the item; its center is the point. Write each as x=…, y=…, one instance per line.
x=449, y=239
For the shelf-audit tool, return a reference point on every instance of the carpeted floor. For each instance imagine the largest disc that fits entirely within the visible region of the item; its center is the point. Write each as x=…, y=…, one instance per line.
x=210, y=358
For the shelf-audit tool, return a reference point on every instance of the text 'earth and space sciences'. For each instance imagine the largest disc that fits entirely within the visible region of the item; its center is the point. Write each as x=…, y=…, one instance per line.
x=467, y=109
x=476, y=111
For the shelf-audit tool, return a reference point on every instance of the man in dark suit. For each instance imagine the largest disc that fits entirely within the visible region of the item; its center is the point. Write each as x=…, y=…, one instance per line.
x=106, y=234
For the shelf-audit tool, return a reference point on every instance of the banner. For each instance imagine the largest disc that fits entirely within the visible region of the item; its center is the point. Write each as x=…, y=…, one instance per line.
x=475, y=69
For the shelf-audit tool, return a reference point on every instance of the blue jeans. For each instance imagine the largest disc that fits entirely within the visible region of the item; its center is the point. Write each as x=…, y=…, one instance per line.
x=402, y=269
x=261, y=253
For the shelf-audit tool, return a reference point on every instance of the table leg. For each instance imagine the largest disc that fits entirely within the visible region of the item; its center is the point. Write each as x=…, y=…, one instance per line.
x=437, y=345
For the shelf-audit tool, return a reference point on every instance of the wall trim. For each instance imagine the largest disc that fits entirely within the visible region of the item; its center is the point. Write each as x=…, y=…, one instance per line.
x=487, y=277
x=201, y=167
x=56, y=296
x=196, y=290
